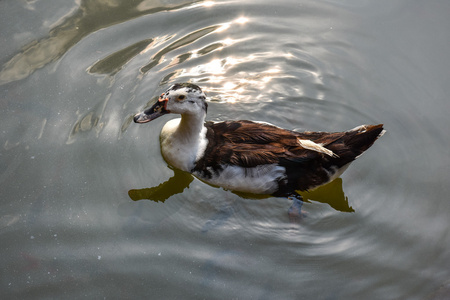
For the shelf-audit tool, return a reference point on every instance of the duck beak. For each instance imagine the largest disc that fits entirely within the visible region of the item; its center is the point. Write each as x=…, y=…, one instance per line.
x=156, y=111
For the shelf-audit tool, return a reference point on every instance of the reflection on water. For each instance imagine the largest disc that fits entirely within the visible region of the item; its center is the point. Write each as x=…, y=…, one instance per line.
x=331, y=193
x=113, y=63
x=175, y=185
x=91, y=120
x=186, y=40
x=91, y=15
x=213, y=71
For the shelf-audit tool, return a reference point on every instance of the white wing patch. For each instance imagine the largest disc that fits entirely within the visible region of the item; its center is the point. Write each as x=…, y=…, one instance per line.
x=310, y=145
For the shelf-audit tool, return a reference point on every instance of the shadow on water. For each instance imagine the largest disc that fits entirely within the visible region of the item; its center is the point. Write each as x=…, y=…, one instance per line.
x=331, y=193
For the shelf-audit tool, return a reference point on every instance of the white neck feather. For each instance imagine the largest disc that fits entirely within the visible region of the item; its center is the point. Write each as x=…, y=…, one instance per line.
x=183, y=141
x=189, y=127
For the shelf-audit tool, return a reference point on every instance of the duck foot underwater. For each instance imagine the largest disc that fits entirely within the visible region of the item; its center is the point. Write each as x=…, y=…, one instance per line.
x=295, y=211
x=250, y=156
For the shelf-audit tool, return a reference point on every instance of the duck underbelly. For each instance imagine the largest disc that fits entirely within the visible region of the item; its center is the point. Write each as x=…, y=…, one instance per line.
x=263, y=179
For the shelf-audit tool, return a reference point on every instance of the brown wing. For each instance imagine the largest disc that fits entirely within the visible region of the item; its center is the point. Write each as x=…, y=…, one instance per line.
x=248, y=144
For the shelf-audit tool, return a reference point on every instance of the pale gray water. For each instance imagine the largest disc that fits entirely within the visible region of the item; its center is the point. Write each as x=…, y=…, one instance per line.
x=74, y=72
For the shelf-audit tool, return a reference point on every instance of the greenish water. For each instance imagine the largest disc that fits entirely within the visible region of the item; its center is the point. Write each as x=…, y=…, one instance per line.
x=76, y=174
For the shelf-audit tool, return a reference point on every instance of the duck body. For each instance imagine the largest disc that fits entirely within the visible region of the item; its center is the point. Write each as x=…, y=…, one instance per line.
x=248, y=156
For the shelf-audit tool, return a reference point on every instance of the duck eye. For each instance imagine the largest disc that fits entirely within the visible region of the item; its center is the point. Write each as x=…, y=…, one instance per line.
x=181, y=97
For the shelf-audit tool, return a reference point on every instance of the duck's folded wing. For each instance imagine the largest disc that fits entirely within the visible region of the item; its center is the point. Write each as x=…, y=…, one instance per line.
x=249, y=144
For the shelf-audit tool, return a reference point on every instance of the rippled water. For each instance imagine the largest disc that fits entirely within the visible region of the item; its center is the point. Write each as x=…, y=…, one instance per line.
x=76, y=175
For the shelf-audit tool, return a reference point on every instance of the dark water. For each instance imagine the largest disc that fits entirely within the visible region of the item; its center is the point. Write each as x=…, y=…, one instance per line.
x=72, y=163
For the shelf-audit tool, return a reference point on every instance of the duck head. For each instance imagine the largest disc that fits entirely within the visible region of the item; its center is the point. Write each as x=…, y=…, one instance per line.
x=180, y=98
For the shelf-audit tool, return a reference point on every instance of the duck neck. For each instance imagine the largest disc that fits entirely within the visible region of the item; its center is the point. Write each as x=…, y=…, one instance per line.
x=183, y=142
x=190, y=128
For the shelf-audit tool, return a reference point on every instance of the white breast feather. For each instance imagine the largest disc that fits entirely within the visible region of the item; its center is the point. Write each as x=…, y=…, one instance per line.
x=178, y=152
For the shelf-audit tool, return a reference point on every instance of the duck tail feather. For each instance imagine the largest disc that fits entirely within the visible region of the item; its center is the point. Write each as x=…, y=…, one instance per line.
x=362, y=137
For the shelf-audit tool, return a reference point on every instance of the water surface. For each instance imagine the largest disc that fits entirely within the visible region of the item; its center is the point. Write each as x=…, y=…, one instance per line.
x=76, y=174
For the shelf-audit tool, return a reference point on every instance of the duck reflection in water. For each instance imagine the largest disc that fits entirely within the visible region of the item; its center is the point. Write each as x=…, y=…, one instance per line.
x=331, y=193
